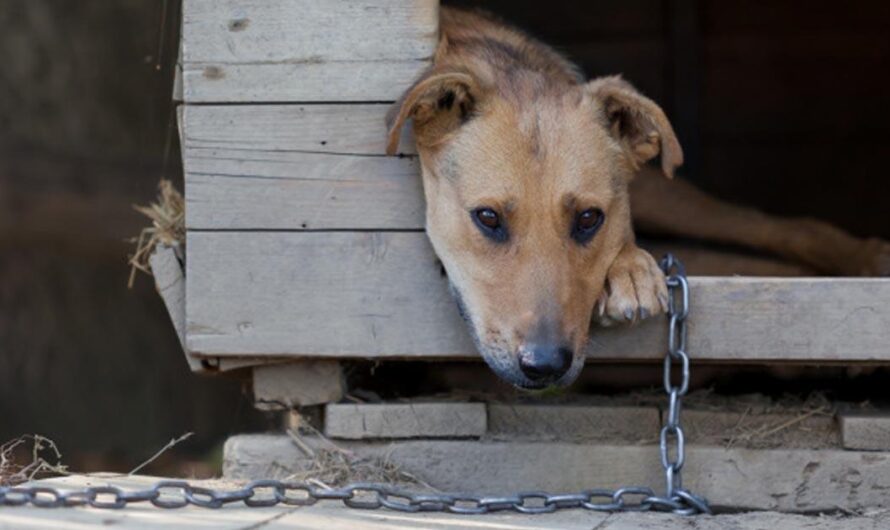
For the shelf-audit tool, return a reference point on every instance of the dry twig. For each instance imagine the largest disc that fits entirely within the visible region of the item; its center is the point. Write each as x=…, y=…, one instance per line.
x=172, y=443
x=12, y=473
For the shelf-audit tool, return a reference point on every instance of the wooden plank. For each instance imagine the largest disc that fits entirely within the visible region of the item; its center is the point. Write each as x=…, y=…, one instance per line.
x=356, y=129
x=771, y=479
x=379, y=295
x=297, y=167
x=304, y=50
x=297, y=384
x=292, y=190
x=170, y=283
x=333, y=515
x=527, y=421
x=360, y=421
x=868, y=430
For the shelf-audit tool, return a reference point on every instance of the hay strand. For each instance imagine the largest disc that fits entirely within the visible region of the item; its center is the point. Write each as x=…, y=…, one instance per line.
x=167, y=228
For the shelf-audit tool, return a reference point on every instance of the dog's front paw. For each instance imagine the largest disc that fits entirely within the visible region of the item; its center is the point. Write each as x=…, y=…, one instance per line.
x=635, y=289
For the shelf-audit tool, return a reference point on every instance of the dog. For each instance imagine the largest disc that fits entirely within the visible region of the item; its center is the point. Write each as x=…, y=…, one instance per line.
x=531, y=174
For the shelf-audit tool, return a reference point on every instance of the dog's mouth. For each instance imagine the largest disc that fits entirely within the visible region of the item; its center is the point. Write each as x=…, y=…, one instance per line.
x=505, y=362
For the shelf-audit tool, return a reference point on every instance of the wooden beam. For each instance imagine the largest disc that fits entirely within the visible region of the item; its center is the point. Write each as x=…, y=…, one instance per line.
x=381, y=295
x=304, y=50
x=731, y=478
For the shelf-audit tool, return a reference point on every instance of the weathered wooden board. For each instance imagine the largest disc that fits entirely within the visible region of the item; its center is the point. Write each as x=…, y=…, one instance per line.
x=802, y=480
x=364, y=421
x=297, y=167
x=333, y=515
x=376, y=295
x=304, y=50
x=355, y=129
x=287, y=190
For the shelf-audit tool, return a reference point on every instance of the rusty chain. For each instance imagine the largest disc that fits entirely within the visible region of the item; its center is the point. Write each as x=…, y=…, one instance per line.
x=172, y=494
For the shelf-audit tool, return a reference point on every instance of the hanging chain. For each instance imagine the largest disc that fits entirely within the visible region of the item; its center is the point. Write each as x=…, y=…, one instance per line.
x=263, y=493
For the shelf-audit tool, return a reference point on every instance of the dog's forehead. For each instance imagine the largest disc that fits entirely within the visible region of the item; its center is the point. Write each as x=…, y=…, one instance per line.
x=551, y=148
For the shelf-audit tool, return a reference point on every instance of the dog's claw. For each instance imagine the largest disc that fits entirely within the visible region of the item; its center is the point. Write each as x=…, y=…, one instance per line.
x=635, y=287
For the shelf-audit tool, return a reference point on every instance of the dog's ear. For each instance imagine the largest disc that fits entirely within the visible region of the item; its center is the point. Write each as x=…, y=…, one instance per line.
x=439, y=102
x=638, y=123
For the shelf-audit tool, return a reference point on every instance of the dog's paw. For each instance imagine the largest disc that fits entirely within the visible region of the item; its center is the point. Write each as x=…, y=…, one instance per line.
x=635, y=289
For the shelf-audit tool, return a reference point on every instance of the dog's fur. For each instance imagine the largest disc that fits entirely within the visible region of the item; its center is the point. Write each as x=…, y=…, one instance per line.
x=502, y=122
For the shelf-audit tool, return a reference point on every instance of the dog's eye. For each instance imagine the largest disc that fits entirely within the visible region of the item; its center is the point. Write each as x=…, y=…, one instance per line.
x=586, y=224
x=488, y=217
x=489, y=222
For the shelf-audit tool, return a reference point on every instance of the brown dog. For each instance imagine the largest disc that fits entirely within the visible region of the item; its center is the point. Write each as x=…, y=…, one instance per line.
x=530, y=175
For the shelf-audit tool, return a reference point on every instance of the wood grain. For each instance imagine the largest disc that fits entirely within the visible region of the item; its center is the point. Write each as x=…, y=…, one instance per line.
x=297, y=167
x=304, y=50
x=381, y=295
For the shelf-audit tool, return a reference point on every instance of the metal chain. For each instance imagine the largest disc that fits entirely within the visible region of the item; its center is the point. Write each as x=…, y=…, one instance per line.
x=262, y=493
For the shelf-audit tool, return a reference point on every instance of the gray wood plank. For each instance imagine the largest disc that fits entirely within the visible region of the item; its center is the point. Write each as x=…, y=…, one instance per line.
x=289, y=190
x=361, y=421
x=304, y=50
x=378, y=295
x=297, y=167
x=741, y=479
x=356, y=129
x=170, y=284
x=865, y=430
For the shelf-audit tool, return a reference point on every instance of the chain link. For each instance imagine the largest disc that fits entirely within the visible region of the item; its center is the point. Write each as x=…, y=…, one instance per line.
x=171, y=494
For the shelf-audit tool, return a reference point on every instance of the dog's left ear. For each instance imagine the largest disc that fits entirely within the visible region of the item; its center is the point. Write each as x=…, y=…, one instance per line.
x=439, y=102
x=638, y=123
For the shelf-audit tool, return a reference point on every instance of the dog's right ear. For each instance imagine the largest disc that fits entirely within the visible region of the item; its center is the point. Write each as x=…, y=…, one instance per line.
x=439, y=103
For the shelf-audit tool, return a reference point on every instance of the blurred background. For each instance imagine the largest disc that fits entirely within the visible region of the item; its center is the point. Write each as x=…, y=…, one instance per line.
x=86, y=131
x=782, y=105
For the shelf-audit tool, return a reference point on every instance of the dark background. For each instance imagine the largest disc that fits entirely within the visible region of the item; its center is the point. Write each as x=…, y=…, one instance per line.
x=781, y=105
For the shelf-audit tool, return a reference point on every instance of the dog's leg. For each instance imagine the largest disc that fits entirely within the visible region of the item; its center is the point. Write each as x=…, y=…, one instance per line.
x=675, y=207
x=635, y=289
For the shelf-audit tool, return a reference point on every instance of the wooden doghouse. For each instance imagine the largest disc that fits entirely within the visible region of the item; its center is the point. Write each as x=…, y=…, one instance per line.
x=306, y=243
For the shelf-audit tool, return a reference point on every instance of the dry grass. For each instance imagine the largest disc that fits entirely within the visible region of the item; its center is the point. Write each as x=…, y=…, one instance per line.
x=44, y=459
x=167, y=227
x=333, y=466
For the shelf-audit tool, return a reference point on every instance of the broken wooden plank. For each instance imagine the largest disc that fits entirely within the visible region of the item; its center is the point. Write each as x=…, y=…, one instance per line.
x=865, y=431
x=303, y=50
x=379, y=295
x=802, y=480
x=360, y=421
x=170, y=283
x=297, y=384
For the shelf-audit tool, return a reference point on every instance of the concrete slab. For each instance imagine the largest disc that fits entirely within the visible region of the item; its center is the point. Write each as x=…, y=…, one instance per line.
x=800, y=480
x=405, y=420
x=334, y=516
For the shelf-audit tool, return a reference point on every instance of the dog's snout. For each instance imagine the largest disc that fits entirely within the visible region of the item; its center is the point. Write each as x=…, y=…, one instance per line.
x=544, y=362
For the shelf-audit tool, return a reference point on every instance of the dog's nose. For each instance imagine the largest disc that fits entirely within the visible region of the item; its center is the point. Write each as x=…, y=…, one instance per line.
x=544, y=362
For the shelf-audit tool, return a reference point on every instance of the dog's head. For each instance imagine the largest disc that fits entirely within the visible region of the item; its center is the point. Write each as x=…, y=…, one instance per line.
x=527, y=204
